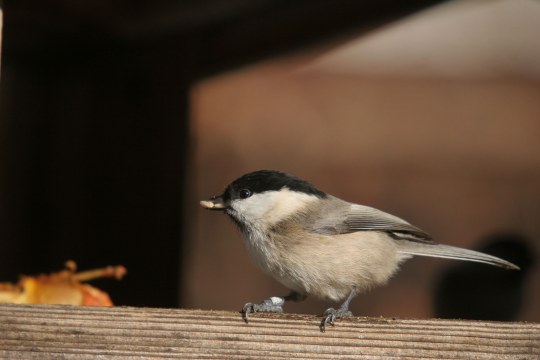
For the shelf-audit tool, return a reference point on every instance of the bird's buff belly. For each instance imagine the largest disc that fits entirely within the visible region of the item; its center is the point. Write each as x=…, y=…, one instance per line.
x=329, y=267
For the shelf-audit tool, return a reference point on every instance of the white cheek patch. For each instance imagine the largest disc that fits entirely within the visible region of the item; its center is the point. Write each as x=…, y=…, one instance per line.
x=270, y=207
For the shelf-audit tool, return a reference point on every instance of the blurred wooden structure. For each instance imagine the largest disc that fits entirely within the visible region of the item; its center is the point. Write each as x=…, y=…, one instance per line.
x=54, y=332
x=95, y=121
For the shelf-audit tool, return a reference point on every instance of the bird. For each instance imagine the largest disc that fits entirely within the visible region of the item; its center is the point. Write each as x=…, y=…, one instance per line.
x=319, y=245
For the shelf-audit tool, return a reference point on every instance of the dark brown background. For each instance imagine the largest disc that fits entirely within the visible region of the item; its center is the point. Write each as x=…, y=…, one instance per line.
x=109, y=137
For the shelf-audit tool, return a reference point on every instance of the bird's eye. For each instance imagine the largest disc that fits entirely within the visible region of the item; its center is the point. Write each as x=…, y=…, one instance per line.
x=244, y=193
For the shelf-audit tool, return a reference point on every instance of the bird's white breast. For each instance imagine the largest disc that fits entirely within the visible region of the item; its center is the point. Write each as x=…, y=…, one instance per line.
x=263, y=211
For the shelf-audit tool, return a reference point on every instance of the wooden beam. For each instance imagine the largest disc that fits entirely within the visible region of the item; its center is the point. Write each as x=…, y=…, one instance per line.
x=67, y=332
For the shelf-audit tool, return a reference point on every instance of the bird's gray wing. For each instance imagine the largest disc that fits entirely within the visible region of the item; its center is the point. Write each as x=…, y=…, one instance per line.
x=339, y=217
x=349, y=218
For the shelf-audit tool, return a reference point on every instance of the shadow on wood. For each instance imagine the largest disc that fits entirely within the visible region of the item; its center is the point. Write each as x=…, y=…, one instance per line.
x=56, y=331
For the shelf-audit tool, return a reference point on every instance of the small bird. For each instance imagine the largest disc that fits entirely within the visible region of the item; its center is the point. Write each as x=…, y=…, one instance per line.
x=316, y=244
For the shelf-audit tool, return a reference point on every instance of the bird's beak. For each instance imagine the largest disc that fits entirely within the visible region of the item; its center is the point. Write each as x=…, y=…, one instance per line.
x=215, y=203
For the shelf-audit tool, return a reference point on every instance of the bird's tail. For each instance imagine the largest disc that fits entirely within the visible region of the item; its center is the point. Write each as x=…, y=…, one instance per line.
x=451, y=252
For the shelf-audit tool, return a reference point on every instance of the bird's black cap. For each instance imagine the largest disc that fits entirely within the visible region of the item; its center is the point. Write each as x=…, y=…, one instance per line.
x=268, y=180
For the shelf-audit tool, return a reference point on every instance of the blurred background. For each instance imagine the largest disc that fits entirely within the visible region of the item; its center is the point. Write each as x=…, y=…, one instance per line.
x=118, y=117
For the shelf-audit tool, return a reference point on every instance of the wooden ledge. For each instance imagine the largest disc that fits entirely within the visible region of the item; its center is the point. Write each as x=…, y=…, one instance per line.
x=69, y=332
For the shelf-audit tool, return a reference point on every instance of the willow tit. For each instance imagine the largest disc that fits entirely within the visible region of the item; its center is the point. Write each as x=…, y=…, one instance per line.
x=317, y=244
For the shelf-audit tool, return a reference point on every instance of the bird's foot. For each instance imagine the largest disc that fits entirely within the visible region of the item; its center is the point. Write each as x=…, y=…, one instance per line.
x=331, y=315
x=274, y=304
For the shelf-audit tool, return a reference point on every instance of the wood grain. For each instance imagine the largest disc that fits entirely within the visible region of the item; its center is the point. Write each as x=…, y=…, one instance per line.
x=68, y=332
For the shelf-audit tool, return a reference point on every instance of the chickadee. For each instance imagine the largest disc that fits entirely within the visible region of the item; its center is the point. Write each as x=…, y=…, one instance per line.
x=317, y=244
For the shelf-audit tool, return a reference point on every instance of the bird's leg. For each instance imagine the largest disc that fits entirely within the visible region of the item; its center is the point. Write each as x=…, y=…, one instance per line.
x=331, y=314
x=273, y=304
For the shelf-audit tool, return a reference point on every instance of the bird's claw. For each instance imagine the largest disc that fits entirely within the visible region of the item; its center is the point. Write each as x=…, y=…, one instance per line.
x=331, y=315
x=274, y=304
